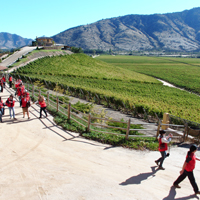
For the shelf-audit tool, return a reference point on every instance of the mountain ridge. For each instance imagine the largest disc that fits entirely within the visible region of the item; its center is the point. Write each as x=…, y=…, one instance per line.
x=178, y=31
x=9, y=41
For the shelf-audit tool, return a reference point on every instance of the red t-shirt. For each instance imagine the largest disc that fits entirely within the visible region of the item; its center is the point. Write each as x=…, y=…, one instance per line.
x=42, y=104
x=1, y=104
x=24, y=101
x=10, y=103
x=162, y=146
x=191, y=161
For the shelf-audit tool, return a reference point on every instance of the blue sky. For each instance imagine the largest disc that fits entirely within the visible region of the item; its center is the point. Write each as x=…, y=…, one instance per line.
x=31, y=18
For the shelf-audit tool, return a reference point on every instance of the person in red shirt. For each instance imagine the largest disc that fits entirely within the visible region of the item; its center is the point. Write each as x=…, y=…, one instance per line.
x=1, y=84
x=20, y=92
x=27, y=93
x=163, y=141
x=187, y=169
x=25, y=104
x=1, y=109
x=4, y=81
x=17, y=83
x=41, y=101
x=10, y=81
x=11, y=103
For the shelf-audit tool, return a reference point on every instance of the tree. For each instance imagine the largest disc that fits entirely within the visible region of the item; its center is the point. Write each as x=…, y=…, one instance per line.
x=76, y=50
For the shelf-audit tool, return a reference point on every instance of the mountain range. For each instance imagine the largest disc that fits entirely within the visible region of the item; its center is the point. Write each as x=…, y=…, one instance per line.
x=9, y=41
x=179, y=31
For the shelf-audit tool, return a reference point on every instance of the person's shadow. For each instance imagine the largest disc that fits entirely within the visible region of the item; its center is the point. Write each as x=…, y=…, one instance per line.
x=140, y=177
x=172, y=194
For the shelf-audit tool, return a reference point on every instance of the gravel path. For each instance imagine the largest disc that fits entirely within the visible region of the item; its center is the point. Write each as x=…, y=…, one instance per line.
x=18, y=54
x=116, y=115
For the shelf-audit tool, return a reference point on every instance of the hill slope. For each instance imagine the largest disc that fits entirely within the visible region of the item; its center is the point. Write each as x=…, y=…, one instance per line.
x=9, y=41
x=174, y=31
x=78, y=71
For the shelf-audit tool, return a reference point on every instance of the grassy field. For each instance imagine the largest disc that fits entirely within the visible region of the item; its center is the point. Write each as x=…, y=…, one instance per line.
x=118, y=79
x=182, y=72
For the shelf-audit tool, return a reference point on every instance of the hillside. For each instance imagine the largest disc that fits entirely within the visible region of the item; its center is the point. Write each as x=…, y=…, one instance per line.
x=174, y=31
x=9, y=41
x=118, y=85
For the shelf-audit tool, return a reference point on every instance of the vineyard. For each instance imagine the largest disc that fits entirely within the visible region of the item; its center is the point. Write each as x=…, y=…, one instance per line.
x=182, y=72
x=116, y=82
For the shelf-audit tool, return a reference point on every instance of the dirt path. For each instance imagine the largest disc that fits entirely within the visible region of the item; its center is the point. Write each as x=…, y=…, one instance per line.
x=18, y=54
x=40, y=161
x=115, y=115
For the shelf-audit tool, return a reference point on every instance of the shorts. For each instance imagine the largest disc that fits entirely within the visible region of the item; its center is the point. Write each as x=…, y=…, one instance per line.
x=25, y=109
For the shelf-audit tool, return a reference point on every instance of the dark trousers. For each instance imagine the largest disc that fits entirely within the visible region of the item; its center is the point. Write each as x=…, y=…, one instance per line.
x=2, y=88
x=10, y=84
x=1, y=113
x=43, y=109
x=162, y=158
x=190, y=176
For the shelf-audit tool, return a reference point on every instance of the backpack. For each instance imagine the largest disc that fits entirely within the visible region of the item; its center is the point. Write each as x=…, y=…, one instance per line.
x=28, y=104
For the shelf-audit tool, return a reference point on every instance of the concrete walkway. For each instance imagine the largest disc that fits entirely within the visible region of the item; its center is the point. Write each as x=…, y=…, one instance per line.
x=40, y=161
x=18, y=54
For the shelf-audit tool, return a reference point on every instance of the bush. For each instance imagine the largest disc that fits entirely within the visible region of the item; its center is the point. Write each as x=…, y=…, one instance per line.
x=115, y=140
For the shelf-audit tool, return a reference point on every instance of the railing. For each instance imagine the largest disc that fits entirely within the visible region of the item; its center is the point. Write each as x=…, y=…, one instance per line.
x=86, y=122
x=110, y=102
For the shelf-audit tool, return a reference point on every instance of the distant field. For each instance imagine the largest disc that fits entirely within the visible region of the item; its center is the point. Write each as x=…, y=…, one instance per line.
x=182, y=72
x=119, y=83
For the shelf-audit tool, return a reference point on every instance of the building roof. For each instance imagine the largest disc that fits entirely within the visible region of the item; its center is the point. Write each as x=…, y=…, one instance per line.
x=2, y=67
x=44, y=38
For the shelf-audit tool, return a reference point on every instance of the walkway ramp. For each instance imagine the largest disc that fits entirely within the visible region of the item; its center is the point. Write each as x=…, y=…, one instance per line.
x=39, y=160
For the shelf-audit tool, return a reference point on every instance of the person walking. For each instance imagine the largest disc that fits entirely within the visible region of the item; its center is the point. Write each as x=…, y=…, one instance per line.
x=41, y=101
x=4, y=81
x=10, y=81
x=1, y=84
x=1, y=109
x=25, y=104
x=20, y=91
x=187, y=169
x=163, y=147
x=11, y=103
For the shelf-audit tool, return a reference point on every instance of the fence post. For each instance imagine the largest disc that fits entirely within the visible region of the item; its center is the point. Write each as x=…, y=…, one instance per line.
x=69, y=110
x=185, y=132
x=39, y=91
x=57, y=101
x=48, y=98
x=128, y=128
x=146, y=115
x=165, y=121
x=135, y=113
x=157, y=116
x=89, y=121
x=33, y=90
x=158, y=130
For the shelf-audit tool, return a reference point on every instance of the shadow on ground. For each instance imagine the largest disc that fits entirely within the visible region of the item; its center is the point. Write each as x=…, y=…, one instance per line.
x=140, y=177
x=172, y=194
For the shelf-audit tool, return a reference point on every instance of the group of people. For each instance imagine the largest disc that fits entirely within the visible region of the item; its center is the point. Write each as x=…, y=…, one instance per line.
x=24, y=100
x=3, y=82
x=188, y=166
